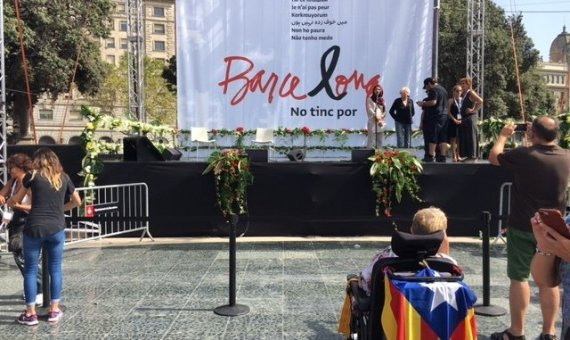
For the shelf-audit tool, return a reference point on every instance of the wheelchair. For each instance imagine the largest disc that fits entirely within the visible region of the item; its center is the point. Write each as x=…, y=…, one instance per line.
x=415, y=253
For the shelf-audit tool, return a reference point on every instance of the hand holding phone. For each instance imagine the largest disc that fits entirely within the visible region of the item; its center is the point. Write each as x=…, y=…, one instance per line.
x=521, y=127
x=553, y=218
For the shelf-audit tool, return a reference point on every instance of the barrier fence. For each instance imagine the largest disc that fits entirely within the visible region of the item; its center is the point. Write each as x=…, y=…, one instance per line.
x=107, y=210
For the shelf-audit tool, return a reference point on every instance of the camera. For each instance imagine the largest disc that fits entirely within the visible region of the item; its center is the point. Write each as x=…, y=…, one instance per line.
x=520, y=127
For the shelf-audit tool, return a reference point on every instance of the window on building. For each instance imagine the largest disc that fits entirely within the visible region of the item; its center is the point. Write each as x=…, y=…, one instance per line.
x=110, y=59
x=158, y=12
x=158, y=29
x=120, y=8
x=123, y=26
x=110, y=43
x=124, y=43
x=75, y=115
x=46, y=140
x=75, y=140
x=46, y=114
x=159, y=46
x=106, y=139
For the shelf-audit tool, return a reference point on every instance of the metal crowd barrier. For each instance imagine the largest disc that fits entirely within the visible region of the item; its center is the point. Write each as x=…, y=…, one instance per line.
x=109, y=210
x=504, y=209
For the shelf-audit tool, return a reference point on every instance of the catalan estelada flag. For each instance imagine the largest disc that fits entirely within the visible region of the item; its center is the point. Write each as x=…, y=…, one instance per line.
x=428, y=311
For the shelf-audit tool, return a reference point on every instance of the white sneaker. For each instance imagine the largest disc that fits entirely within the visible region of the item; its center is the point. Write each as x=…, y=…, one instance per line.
x=39, y=299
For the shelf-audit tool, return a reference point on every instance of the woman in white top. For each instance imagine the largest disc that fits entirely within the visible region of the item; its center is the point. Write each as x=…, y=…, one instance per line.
x=376, y=111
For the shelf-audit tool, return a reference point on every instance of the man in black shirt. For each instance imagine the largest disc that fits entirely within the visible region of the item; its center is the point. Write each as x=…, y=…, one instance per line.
x=434, y=122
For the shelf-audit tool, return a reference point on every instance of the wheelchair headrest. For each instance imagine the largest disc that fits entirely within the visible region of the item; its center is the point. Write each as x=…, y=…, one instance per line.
x=407, y=245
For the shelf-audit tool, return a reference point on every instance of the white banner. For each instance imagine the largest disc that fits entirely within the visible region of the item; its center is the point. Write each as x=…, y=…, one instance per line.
x=294, y=63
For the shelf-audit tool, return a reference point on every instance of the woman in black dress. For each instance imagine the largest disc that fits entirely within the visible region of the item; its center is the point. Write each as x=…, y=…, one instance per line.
x=454, y=121
x=468, y=139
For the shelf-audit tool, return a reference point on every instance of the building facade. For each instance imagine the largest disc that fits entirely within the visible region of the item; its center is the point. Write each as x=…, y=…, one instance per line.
x=60, y=121
x=556, y=71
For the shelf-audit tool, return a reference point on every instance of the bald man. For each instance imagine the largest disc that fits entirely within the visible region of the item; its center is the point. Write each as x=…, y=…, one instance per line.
x=540, y=176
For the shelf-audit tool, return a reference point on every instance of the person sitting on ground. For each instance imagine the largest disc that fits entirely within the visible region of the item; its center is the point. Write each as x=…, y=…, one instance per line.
x=426, y=221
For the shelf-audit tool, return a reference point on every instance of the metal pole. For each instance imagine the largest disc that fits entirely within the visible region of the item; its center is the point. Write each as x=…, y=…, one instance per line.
x=232, y=309
x=435, y=40
x=486, y=308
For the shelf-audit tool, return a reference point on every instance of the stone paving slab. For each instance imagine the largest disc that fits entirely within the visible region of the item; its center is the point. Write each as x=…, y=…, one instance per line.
x=123, y=289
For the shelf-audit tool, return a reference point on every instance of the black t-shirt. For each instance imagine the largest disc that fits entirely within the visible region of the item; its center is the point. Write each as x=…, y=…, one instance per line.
x=46, y=216
x=541, y=174
x=439, y=94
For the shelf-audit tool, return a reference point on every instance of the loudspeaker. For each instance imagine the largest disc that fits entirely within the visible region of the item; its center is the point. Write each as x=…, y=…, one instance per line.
x=171, y=154
x=296, y=155
x=361, y=155
x=257, y=155
x=140, y=149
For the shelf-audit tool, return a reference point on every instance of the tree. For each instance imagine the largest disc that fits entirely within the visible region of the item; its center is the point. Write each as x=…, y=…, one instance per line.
x=55, y=32
x=501, y=91
x=160, y=103
x=169, y=74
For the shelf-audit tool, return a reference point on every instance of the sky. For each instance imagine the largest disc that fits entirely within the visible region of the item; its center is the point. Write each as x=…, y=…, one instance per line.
x=542, y=19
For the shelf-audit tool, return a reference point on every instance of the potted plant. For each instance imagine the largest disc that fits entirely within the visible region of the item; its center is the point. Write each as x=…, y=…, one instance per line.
x=393, y=173
x=232, y=176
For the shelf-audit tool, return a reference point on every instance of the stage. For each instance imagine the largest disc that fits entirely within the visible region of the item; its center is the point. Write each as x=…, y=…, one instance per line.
x=308, y=198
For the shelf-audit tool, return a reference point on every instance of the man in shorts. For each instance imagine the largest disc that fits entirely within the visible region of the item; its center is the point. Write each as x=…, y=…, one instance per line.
x=434, y=120
x=540, y=176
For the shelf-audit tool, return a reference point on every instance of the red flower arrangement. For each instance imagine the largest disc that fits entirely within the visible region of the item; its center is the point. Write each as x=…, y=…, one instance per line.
x=306, y=131
x=393, y=173
x=239, y=130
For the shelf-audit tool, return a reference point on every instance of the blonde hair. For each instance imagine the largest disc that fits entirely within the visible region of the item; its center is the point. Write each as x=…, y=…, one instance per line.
x=457, y=87
x=47, y=165
x=428, y=221
x=405, y=89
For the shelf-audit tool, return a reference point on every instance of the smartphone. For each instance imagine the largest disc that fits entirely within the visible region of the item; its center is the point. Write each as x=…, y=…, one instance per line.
x=520, y=127
x=553, y=218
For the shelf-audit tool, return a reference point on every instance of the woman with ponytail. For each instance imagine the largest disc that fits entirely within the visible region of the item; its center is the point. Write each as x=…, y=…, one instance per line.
x=45, y=225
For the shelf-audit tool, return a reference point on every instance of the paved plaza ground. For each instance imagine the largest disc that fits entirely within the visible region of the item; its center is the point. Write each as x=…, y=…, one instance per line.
x=123, y=289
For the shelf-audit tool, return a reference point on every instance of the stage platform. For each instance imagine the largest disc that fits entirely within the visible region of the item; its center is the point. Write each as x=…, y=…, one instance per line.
x=307, y=198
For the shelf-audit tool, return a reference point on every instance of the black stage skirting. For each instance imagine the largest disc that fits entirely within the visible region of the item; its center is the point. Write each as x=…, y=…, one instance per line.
x=307, y=198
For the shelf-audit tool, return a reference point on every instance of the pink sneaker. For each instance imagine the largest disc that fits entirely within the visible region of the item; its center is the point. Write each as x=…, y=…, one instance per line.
x=55, y=316
x=28, y=320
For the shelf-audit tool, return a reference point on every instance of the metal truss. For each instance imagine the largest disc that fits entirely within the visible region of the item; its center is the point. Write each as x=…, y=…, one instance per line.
x=476, y=45
x=3, y=140
x=135, y=58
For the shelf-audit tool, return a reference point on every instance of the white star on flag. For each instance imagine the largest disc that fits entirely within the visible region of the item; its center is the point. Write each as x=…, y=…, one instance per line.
x=443, y=292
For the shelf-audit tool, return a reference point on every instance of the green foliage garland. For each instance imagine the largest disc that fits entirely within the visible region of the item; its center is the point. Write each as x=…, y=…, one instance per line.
x=232, y=176
x=393, y=173
x=91, y=164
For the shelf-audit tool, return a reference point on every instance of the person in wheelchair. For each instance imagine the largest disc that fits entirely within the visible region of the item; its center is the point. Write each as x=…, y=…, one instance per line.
x=380, y=302
x=425, y=222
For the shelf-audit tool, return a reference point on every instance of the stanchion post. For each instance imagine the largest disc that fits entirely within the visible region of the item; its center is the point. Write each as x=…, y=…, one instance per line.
x=232, y=309
x=45, y=279
x=486, y=309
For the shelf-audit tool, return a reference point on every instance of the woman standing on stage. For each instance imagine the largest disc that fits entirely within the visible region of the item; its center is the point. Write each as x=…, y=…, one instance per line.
x=44, y=227
x=454, y=121
x=468, y=139
x=402, y=111
x=375, y=108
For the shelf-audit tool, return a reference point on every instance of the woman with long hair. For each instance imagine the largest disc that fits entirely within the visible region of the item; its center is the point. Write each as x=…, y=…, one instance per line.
x=18, y=165
x=376, y=110
x=45, y=227
x=472, y=102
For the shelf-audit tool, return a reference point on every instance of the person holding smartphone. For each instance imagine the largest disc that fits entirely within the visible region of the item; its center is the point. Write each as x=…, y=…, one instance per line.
x=541, y=173
x=551, y=241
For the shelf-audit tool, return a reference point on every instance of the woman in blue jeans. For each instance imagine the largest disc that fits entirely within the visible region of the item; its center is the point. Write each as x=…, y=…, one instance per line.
x=402, y=111
x=44, y=227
